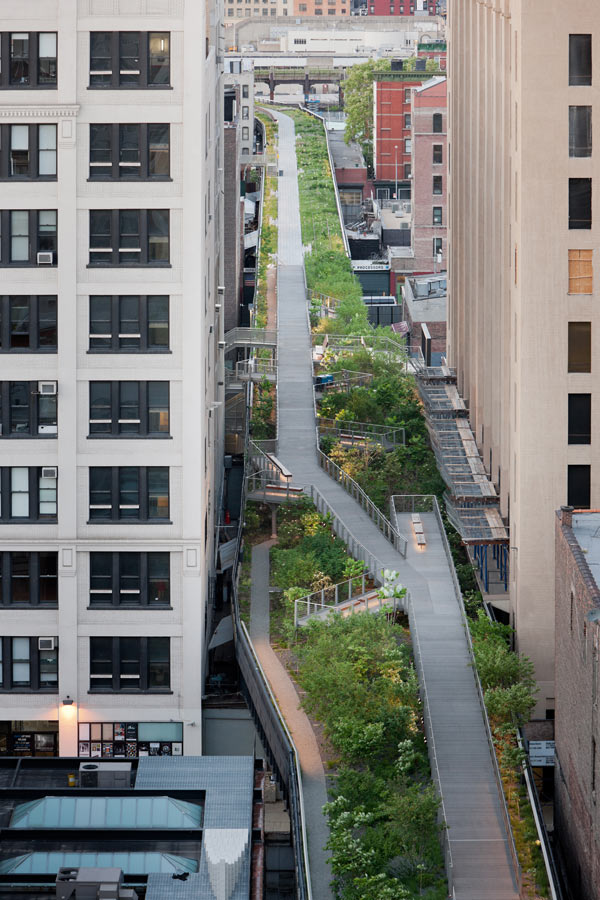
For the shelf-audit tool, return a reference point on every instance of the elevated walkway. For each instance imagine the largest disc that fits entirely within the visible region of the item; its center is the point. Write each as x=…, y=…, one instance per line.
x=477, y=845
x=250, y=337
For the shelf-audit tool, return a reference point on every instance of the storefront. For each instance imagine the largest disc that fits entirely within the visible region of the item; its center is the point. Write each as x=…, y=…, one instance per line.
x=125, y=740
x=29, y=738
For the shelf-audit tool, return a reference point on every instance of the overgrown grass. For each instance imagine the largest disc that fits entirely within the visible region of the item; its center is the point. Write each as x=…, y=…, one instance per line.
x=360, y=683
x=268, y=234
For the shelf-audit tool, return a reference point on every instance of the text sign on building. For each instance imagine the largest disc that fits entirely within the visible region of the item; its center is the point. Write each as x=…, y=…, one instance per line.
x=541, y=753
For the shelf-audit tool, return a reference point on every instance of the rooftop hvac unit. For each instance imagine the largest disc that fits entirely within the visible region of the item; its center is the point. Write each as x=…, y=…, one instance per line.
x=83, y=883
x=45, y=258
x=105, y=775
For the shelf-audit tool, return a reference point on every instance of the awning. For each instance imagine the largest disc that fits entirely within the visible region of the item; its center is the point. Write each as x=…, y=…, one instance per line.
x=223, y=633
x=226, y=556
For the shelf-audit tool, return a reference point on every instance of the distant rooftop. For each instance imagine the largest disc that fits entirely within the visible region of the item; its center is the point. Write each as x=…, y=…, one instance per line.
x=345, y=156
x=586, y=528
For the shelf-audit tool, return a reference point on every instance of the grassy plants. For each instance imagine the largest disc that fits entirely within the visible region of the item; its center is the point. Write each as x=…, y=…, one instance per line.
x=268, y=234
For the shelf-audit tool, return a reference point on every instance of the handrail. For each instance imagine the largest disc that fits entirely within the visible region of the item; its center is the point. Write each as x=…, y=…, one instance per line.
x=363, y=429
x=254, y=337
x=314, y=608
x=395, y=537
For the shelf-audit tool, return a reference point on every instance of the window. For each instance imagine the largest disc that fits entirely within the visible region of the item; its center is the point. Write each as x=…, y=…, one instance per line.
x=123, y=493
x=245, y=91
x=129, y=151
x=129, y=408
x=580, y=203
x=437, y=247
x=245, y=133
x=129, y=324
x=580, y=418
x=437, y=215
x=129, y=664
x=580, y=347
x=129, y=579
x=580, y=271
x=24, y=666
x=351, y=196
x=25, y=411
x=129, y=59
x=407, y=145
x=437, y=123
x=30, y=151
x=407, y=95
x=578, y=486
x=580, y=131
x=437, y=184
x=245, y=112
x=29, y=579
x=25, y=233
x=27, y=494
x=407, y=120
x=580, y=59
x=438, y=154
x=407, y=170
x=28, y=324
x=129, y=237
x=31, y=60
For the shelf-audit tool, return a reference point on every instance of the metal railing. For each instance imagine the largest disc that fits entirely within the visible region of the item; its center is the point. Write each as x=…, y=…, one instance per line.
x=256, y=369
x=250, y=337
x=345, y=380
x=362, y=430
x=411, y=503
x=396, y=538
x=365, y=603
x=269, y=488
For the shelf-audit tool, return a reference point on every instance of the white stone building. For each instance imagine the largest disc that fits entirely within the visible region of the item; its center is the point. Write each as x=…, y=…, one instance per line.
x=111, y=229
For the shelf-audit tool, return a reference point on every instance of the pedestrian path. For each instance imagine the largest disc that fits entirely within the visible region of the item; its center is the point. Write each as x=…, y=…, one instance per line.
x=313, y=775
x=479, y=844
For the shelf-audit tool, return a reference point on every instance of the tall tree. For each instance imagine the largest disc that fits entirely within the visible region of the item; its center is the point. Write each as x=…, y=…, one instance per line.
x=358, y=99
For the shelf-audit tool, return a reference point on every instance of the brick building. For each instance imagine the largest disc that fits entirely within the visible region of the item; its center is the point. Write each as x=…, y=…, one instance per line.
x=429, y=175
x=402, y=7
x=577, y=724
x=392, y=134
x=424, y=303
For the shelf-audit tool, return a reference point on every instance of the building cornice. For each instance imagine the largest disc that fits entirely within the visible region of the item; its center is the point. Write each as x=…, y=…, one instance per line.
x=38, y=112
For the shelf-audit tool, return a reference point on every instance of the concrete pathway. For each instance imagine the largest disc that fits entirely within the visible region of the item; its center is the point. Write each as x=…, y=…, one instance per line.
x=482, y=868
x=313, y=775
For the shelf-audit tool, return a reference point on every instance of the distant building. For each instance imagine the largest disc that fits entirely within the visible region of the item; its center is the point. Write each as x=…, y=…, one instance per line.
x=424, y=303
x=577, y=723
x=429, y=172
x=402, y=7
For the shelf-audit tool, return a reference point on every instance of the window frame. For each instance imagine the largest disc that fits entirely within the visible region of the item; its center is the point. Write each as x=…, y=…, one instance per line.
x=115, y=403
x=438, y=182
x=113, y=594
x=33, y=321
x=111, y=255
x=580, y=131
x=115, y=323
x=34, y=494
x=574, y=365
x=111, y=171
x=584, y=220
x=575, y=433
x=114, y=506
x=113, y=75
x=35, y=84
x=116, y=663
x=572, y=472
x=574, y=78
x=33, y=413
x=33, y=142
x=33, y=236
x=580, y=267
x=437, y=123
x=35, y=685
x=437, y=151
x=437, y=216
x=34, y=578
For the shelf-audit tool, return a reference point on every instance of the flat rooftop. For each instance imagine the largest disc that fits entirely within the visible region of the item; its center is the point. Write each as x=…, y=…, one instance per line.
x=586, y=528
x=345, y=156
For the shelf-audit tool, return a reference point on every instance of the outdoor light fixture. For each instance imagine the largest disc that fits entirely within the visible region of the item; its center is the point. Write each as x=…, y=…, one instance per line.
x=67, y=701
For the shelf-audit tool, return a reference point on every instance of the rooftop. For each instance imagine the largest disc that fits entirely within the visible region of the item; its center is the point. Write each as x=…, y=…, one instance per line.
x=345, y=156
x=425, y=297
x=586, y=528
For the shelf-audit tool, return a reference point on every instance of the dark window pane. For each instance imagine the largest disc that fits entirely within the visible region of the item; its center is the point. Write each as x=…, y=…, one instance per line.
x=580, y=203
x=49, y=578
x=438, y=153
x=100, y=322
x=158, y=407
x=100, y=150
x=580, y=131
x=129, y=236
x=129, y=407
x=129, y=492
x=46, y=230
x=437, y=123
x=101, y=662
x=47, y=57
x=158, y=492
x=100, y=58
x=158, y=579
x=100, y=236
x=158, y=58
x=47, y=321
x=580, y=347
x=578, y=486
x=19, y=323
x=580, y=418
x=158, y=150
x=129, y=57
x=20, y=579
x=129, y=150
x=158, y=235
x=100, y=578
x=158, y=663
x=100, y=492
x=48, y=660
x=21, y=666
x=19, y=58
x=129, y=578
x=437, y=215
x=580, y=59
x=437, y=184
x=129, y=323
x=19, y=150
x=20, y=398
x=129, y=664
x=158, y=321
x=100, y=407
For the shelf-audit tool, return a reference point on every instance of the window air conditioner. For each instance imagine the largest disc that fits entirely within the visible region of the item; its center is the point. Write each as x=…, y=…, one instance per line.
x=48, y=388
x=46, y=643
x=45, y=258
x=222, y=345
x=49, y=471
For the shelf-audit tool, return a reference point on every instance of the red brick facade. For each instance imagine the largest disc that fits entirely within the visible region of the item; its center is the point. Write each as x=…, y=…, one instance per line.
x=401, y=7
x=577, y=724
x=392, y=133
x=429, y=176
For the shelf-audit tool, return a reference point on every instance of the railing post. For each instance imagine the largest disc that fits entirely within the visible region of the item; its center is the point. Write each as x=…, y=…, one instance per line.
x=295, y=615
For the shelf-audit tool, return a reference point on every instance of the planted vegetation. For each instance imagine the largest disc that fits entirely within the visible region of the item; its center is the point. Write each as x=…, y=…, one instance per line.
x=361, y=685
x=268, y=234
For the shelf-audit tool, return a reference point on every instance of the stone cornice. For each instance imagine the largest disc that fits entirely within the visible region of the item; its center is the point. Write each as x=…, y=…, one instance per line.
x=38, y=112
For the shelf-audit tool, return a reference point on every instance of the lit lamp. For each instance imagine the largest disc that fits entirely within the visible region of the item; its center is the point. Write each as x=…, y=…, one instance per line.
x=68, y=701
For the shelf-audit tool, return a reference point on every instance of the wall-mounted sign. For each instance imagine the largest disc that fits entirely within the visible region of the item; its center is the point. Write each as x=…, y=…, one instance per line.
x=541, y=753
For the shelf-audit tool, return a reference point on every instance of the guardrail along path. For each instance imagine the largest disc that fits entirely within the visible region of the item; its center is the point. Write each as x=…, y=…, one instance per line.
x=481, y=866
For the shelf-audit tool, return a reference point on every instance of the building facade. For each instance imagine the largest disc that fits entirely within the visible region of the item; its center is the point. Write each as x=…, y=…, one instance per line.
x=429, y=175
x=111, y=450
x=577, y=725
x=402, y=7
x=522, y=297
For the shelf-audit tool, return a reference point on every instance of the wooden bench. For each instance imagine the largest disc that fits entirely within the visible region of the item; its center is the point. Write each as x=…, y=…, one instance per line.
x=286, y=488
x=417, y=525
x=285, y=473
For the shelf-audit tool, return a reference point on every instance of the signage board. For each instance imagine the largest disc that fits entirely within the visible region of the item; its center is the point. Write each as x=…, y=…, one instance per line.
x=541, y=753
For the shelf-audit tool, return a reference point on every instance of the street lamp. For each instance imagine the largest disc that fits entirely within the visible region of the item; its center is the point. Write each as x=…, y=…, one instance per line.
x=396, y=159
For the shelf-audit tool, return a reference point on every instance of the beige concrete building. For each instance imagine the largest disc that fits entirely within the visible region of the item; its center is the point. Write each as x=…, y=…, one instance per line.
x=523, y=304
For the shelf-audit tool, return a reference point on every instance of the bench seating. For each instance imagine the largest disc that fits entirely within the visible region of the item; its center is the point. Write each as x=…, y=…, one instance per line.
x=417, y=525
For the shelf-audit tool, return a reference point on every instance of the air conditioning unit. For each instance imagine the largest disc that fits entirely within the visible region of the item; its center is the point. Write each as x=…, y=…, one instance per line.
x=222, y=345
x=49, y=472
x=45, y=258
x=221, y=289
x=88, y=775
x=105, y=775
x=217, y=306
x=46, y=643
x=48, y=388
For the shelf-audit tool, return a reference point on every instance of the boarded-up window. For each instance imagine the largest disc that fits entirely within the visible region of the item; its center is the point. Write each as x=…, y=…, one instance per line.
x=580, y=272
